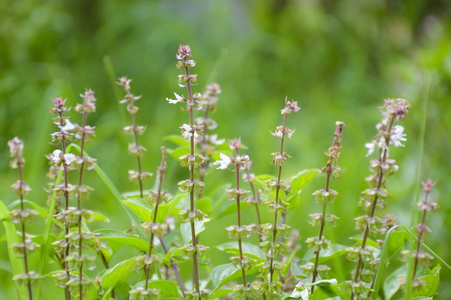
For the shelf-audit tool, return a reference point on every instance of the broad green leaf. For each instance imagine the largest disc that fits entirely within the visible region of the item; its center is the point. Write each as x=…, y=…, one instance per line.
x=249, y=250
x=97, y=217
x=223, y=274
x=120, y=271
x=220, y=293
x=141, y=208
x=122, y=238
x=165, y=209
x=332, y=251
x=394, y=241
x=301, y=179
x=11, y=239
x=178, y=140
x=204, y=204
x=392, y=283
x=176, y=153
x=185, y=230
x=166, y=287
x=326, y=289
x=432, y=281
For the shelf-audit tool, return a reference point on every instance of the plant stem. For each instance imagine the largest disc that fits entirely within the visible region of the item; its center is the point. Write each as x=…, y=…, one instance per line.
x=321, y=231
x=80, y=217
x=66, y=207
x=161, y=170
x=420, y=236
x=22, y=222
x=191, y=194
x=238, y=207
x=271, y=266
x=359, y=266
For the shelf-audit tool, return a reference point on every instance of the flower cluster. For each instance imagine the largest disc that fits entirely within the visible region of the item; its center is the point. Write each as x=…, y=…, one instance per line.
x=134, y=148
x=421, y=257
x=192, y=160
x=62, y=161
x=22, y=216
x=239, y=231
x=375, y=196
x=324, y=196
x=278, y=231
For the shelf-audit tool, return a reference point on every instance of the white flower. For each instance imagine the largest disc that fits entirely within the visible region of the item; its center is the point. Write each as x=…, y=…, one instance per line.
x=214, y=140
x=178, y=99
x=69, y=158
x=224, y=162
x=370, y=147
x=397, y=136
x=69, y=126
x=186, y=131
x=56, y=157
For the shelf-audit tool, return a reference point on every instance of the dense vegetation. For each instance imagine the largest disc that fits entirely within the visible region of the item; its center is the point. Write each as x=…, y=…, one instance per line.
x=337, y=60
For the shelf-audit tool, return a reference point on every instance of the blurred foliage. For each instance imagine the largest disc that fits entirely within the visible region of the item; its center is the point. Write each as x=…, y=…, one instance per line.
x=339, y=59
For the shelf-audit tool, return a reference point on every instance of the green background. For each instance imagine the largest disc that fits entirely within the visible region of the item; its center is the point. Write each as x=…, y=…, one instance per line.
x=338, y=59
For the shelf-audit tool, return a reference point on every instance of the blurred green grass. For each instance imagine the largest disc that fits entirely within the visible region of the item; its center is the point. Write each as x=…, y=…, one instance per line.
x=339, y=59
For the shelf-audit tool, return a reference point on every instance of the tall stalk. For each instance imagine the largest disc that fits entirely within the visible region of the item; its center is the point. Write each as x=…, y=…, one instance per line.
x=191, y=160
x=275, y=206
x=374, y=197
x=21, y=215
x=325, y=196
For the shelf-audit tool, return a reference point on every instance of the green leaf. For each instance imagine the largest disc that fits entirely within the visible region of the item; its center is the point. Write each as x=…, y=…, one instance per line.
x=326, y=290
x=432, y=281
x=394, y=241
x=165, y=209
x=223, y=274
x=185, y=230
x=42, y=212
x=176, y=153
x=97, y=217
x=11, y=239
x=166, y=287
x=178, y=140
x=220, y=293
x=122, y=238
x=332, y=251
x=301, y=179
x=392, y=284
x=141, y=208
x=111, y=276
x=249, y=250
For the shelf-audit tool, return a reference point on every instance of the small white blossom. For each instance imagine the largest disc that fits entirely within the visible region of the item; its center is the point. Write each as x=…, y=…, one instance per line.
x=56, y=157
x=397, y=136
x=69, y=158
x=187, y=131
x=69, y=126
x=214, y=140
x=178, y=99
x=224, y=162
x=370, y=147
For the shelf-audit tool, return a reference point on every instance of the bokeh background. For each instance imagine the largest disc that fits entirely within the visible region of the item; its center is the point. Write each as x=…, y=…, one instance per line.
x=339, y=59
